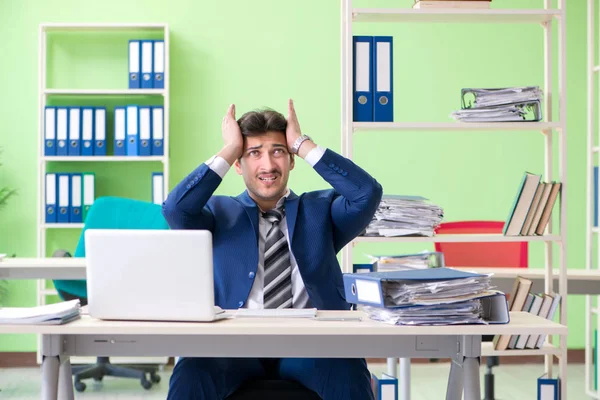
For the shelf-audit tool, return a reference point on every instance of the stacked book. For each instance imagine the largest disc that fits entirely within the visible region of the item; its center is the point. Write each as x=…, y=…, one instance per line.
x=515, y=104
x=51, y=314
x=532, y=207
x=452, y=4
x=405, y=216
x=434, y=296
x=540, y=304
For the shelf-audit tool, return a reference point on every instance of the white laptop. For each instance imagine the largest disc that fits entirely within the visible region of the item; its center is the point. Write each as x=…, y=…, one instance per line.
x=150, y=275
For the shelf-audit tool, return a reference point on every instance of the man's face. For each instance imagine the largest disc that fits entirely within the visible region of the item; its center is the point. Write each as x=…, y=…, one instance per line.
x=265, y=166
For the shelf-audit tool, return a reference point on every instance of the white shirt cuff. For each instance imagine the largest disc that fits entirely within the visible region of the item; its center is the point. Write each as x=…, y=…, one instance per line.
x=314, y=155
x=218, y=165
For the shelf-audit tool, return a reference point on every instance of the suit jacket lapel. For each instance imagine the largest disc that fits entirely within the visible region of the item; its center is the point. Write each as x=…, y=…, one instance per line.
x=291, y=213
x=251, y=210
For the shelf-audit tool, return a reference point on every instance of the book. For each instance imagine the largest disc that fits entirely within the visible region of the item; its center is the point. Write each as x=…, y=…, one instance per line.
x=548, y=209
x=516, y=302
x=520, y=208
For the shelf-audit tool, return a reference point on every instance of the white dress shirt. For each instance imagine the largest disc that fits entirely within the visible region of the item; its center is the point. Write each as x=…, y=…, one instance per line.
x=300, y=297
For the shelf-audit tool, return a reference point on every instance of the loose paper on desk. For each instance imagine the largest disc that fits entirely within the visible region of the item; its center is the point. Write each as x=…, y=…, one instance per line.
x=51, y=314
x=276, y=313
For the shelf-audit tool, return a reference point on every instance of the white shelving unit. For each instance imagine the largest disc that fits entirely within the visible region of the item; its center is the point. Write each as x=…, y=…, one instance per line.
x=545, y=17
x=593, y=138
x=44, y=93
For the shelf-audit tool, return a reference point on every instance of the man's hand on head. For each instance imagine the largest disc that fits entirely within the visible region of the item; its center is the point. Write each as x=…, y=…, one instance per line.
x=233, y=141
x=293, y=132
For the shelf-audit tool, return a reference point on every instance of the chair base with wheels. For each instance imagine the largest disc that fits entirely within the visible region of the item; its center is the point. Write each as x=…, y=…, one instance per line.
x=103, y=368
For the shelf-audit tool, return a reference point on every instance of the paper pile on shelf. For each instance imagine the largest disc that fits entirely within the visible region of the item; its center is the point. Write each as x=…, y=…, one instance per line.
x=404, y=216
x=51, y=314
x=500, y=105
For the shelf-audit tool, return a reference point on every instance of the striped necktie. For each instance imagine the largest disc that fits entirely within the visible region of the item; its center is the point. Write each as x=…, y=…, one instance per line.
x=277, y=290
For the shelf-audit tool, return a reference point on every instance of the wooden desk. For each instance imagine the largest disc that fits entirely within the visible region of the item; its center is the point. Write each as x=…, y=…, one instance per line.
x=43, y=268
x=579, y=282
x=269, y=337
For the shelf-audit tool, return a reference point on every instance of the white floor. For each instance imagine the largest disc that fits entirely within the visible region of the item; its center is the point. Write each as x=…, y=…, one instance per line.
x=516, y=382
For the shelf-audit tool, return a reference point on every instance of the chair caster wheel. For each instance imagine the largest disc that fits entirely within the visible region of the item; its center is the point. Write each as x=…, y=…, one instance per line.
x=79, y=386
x=98, y=379
x=155, y=378
x=146, y=384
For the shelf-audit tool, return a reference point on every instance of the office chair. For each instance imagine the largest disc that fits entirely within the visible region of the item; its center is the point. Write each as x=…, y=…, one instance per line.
x=507, y=255
x=120, y=213
x=111, y=213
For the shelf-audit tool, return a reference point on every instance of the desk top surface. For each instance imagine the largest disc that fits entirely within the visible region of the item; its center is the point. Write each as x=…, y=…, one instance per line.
x=79, y=262
x=521, y=323
x=49, y=262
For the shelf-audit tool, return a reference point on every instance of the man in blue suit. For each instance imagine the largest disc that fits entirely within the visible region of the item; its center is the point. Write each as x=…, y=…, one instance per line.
x=274, y=248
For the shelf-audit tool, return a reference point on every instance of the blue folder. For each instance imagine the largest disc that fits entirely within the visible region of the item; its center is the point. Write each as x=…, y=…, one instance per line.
x=362, y=78
x=383, y=80
x=367, y=288
x=384, y=388
x=50, y=131
x=548, y=388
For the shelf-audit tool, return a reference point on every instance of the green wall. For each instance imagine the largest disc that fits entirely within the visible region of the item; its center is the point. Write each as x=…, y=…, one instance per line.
x=263, y=52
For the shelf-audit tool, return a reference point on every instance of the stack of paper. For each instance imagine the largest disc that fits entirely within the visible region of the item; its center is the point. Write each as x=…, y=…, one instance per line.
x=433, y=296
x=399, y=293
x=465, y=312
x=51, y=314
x=500, y=105
x=425, y=259
x=405, y=216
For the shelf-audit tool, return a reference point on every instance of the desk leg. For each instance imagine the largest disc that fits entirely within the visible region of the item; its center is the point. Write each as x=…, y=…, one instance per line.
x=404, y=381
x=455, y=379
x=65, y=380
x=464, y=370
x=392, y=367
x=471, y=378
x=50, y=372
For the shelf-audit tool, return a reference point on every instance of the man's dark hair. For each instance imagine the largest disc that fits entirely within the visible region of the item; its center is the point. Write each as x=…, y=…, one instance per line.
x=255, y=123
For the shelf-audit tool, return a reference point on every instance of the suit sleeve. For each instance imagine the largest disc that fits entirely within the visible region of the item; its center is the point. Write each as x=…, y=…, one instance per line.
x=357, y=196
x=186, y=205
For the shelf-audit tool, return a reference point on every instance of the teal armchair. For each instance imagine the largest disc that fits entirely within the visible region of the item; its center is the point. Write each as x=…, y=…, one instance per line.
x=112, y=213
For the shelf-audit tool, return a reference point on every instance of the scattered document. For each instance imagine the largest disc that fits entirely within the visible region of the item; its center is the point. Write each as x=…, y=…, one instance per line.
x=51, y=314
x=276, y=313
x=404, y=216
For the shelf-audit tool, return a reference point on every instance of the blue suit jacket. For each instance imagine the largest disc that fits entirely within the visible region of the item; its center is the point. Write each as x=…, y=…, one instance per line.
x=320, y=224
